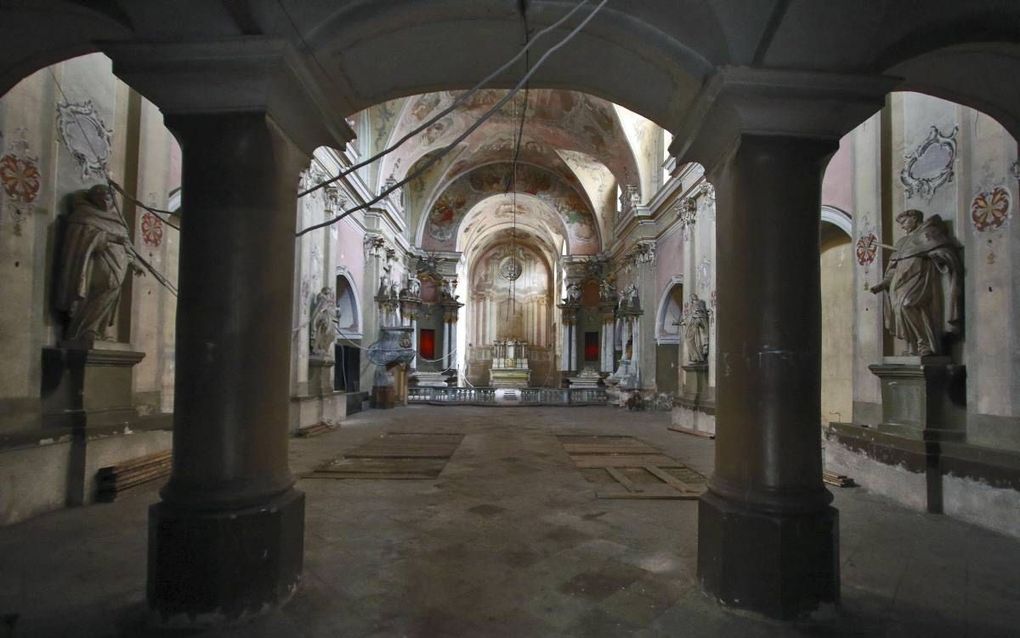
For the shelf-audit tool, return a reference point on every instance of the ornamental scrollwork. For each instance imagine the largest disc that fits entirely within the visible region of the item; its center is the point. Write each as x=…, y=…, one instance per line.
x=930, y=165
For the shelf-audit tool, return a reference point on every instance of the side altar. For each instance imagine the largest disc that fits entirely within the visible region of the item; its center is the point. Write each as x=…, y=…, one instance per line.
x=509, y=364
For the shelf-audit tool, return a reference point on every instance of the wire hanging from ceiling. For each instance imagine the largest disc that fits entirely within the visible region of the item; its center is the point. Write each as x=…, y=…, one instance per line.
x=460, y=138
x=516, y=264
x=461, y=99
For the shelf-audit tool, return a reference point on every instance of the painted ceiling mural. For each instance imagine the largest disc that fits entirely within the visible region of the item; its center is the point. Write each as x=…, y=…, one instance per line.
x=449, y=209
x=554, y=120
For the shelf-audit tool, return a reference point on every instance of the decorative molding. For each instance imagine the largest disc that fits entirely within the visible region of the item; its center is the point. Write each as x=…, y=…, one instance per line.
x=85, y=136
x=930, y=165
x=687, y=211
x=152, y=230
x=630, y=199
x=21, y=179
x=989, y=210
x=374, y=245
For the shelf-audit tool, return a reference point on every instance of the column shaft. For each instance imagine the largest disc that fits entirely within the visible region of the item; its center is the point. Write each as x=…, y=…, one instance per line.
x=767, y=537
x=226, y=541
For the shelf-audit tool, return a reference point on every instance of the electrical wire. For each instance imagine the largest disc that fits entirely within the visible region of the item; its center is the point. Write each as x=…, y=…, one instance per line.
x=456, y=103
x=155, y=211
x=471, y=129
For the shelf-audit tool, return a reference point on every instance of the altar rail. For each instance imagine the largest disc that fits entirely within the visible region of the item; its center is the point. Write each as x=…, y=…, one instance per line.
x=528, y=396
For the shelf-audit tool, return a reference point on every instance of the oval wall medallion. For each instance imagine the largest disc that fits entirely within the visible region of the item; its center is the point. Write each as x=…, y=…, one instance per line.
x=930, y=165
x=85, y=136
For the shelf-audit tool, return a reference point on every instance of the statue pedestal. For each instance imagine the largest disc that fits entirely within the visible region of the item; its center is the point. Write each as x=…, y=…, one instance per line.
x=321, y=403
x=430, y=379
x=320, y=379
x=922, y=397
x=695, y=381
x=88, y=387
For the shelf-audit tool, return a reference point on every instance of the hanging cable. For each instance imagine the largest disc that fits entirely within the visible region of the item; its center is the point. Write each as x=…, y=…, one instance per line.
x=445, y=150
x=456, y=103
x=158, y=212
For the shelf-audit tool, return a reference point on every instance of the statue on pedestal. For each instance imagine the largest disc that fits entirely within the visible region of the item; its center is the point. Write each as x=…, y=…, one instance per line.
x=96, y=256
x=922, y=282
x=323, y=324
x=696, y=331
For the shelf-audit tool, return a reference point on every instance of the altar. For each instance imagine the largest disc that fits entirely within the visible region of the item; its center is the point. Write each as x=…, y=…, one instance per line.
x=509, y=364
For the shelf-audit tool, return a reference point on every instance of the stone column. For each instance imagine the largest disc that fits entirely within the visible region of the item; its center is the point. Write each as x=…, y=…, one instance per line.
x=226, y=541
x=608, y=325
x=767, y=538
x=227, y=536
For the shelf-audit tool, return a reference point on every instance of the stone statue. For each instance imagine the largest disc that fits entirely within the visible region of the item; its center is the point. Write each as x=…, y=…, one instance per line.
x=414, y=287
x=95, y=258
x=607, y=291
x=922, y=282
x=629, y=298
x=696, y=331
x=573, y=292
x=322, y=335
x=445, y=292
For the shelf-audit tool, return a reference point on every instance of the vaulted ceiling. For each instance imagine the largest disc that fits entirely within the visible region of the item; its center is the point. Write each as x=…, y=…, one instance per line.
x=574, y=150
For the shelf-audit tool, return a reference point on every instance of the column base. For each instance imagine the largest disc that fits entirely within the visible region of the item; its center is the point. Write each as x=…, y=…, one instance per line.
x=215, y=568
x=779, y=565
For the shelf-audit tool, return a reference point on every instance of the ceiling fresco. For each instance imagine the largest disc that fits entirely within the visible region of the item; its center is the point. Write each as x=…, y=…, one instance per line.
x=555, y=119
x=575, y=150
x=450, y=208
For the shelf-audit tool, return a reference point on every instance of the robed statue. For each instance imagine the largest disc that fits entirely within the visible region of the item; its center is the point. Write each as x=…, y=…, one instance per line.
x=96, y=257
x=323, y=323
x=922, y=284
x=696, y=330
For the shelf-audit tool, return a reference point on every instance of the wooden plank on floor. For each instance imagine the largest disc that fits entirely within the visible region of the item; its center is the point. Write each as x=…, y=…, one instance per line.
x=673, y=481
x=650, y=492
x=636, y=447
x=620, y=478
x=587, y=461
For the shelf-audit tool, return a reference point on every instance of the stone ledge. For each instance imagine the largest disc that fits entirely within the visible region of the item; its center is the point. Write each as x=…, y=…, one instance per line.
x=996, y=468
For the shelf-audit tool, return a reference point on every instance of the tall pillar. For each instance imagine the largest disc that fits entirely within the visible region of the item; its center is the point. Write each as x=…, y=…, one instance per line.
x=226, y=540
x=227, y=537
x=767, y=535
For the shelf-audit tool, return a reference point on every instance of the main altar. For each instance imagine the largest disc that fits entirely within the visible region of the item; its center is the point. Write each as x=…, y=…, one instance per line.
x=509, y=364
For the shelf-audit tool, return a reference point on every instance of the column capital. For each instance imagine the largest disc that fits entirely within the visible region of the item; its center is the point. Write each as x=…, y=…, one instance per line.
x=740, y=100
x=251, y=74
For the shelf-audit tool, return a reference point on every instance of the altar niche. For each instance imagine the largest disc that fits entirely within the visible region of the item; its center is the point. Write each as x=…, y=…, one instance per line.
x=510, y=332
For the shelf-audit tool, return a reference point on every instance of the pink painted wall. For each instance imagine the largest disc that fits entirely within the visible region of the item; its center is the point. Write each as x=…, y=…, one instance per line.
x=351, y=254
x=838, y=184
x=669, y=261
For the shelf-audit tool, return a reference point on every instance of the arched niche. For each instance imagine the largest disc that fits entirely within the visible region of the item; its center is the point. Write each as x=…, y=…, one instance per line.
x=348, y=306
x=670, y=309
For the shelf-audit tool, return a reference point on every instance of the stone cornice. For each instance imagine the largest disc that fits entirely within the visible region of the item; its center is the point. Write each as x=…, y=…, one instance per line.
x=240, y=75
x=750, y=101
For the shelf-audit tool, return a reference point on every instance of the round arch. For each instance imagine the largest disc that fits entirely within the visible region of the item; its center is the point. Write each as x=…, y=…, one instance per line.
x=669, y=310
x=348, y=304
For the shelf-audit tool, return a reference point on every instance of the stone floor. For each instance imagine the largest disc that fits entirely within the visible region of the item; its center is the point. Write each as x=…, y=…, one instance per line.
x=511, y=541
